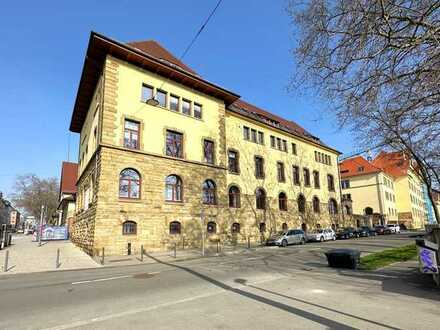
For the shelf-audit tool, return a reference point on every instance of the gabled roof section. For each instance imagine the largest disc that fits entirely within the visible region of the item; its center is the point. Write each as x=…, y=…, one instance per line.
x=69, y=173
x=395, y=163
x=100, y=46
x=357, y=166
x=153, y=48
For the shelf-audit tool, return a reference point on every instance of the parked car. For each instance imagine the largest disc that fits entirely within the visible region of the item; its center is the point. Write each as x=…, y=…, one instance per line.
x=292, y=236
x=371, y=231
x=346, y=233
x=382, y=230
x=362, y=232
x=394, y=228
x=321, y=235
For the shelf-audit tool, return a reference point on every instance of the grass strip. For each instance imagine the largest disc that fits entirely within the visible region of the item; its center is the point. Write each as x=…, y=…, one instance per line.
x=386, y=257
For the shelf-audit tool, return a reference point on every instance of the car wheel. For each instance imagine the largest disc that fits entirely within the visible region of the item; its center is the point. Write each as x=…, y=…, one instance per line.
x=322, y=239
x=334, y=238
x=284, y=243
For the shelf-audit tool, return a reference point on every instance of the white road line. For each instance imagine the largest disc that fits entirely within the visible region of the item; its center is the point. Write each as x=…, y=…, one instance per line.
x=102, y=279
x=81, y=323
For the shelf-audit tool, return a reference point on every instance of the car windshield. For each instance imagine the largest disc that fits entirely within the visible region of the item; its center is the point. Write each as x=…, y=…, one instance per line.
x=315, y=231
x=390, y=225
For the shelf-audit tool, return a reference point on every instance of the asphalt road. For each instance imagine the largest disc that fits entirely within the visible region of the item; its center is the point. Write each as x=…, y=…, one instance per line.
x=289, y=288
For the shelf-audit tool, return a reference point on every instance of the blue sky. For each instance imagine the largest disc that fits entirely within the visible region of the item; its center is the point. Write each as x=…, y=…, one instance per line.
x=245, y=48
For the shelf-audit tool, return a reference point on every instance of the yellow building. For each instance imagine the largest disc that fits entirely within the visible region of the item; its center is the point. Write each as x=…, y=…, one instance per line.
x=408, y=185
x=371, y=190
x=166, y=157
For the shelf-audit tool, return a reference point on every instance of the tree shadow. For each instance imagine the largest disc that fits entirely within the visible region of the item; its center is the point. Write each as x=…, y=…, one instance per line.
x=316, y=305
x=409, y=282
x=290, y=309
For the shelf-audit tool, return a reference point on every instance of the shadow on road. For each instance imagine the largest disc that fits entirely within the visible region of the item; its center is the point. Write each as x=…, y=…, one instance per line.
x=290, y=309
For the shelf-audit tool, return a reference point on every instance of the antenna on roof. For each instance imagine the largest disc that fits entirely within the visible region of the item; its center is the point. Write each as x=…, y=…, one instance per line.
x=153, y=101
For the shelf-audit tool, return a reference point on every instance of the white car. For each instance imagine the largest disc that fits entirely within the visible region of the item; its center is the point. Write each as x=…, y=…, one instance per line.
x=321, y=235
x=394, y=228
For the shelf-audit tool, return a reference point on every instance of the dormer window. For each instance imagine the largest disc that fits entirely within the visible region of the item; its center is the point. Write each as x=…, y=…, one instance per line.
x=360, y=169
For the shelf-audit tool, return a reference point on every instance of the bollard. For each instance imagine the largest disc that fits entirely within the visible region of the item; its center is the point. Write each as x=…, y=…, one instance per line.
x=5, y=267
x=218, y=243
x=175, y=250
x=57, y=262
x=249, y=242
x=142, y=253
x=129, y=249
x=102, y=257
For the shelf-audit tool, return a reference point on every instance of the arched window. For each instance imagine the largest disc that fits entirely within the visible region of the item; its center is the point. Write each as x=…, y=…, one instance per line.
x=316, y=205
x=301, y=203
x=175, y=228
x=282, y=201
x=234, y=197
x=173, y=188
x=368, y=211
x=211, y=227
x=209, y=192
x=235, y=229
x=129, y=228
x=129, y=184
x=332, y=206
x=260, y=196
x=262, y=227
x=284, y=227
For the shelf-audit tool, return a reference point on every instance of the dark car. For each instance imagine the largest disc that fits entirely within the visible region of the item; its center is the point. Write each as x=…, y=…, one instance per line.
x=346, y=233
x=366, y=231
x=382, y=230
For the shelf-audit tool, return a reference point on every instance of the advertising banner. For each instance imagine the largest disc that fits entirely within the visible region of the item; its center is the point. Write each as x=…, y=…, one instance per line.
x=50, y=233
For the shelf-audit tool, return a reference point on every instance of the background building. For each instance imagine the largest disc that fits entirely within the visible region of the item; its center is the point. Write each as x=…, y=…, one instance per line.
x=370, y=189
x=165, y=155
x=67, y=196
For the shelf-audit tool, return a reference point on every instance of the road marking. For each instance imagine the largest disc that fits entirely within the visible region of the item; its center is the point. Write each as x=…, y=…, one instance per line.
x=110, y=278
x=103, y=318
x=102, y=279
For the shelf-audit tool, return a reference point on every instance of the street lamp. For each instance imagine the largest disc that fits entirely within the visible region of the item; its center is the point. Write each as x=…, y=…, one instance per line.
x=153, y=102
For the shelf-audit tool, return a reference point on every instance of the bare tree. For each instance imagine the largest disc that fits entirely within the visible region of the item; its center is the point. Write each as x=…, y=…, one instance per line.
x=30, y=192
x=378, y=61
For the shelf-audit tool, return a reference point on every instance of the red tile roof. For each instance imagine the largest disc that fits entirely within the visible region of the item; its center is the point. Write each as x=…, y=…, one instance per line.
x=357, y=166
x=69, y=173
x=393, y=163
x=153, y=48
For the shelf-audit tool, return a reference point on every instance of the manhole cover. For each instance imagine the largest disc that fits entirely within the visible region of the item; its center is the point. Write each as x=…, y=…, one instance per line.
x=143, y=275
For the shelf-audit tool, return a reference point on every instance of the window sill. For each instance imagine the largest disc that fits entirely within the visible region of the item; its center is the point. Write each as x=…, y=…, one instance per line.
x=235, y=173
x=174, y=202
x=131, y=234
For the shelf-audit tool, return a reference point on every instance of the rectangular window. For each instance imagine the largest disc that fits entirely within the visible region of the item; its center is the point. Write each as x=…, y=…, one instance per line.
x=316, y=179
x=295, y=174
x=233, y=164
x=272, y=141
x=161, y=97
x=131, y=134
x=279, y=143
x=186, y=107
x=259, y=167
x=306, y=176
x=208, y=151
x=174, y=103
x=330, y=182
x=260, y=138
x=294, y=148
x=284, y=145
x=254, y=135
x=174, y=144
x=246, y=133
x=147, y=93
x=345, y=184
x=280, y=171
x=197, y=111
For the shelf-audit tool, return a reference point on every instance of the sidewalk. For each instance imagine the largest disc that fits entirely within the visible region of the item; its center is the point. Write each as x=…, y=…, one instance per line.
x=26, y=256
x=181, y=255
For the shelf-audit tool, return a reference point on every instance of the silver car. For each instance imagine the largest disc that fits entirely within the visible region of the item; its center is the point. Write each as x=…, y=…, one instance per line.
x=292, y=236
x=321, y=235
